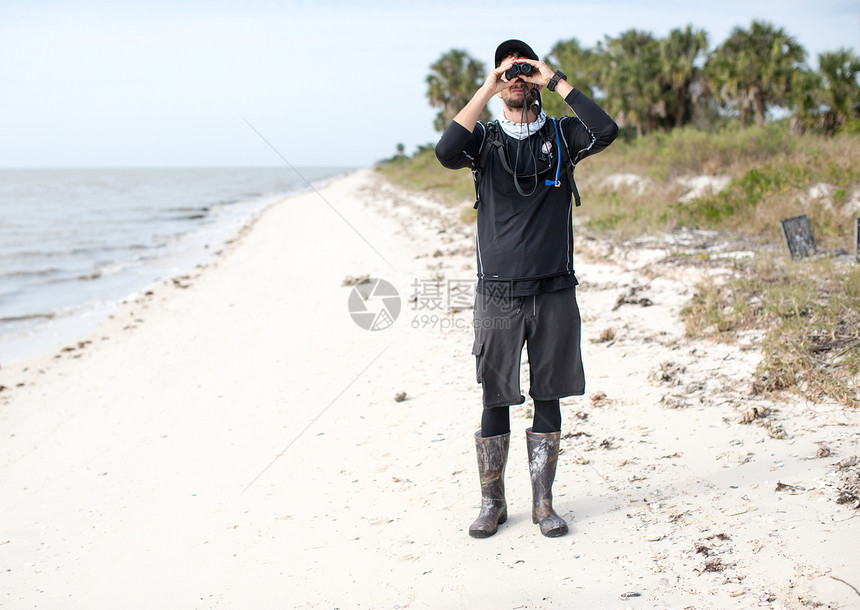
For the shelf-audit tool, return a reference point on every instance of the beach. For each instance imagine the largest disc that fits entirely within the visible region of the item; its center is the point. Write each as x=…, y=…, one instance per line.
x=234, y=438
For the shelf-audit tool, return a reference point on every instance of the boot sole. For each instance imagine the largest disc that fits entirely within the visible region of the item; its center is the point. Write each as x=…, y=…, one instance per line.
x=485, y=533
x=555, y=533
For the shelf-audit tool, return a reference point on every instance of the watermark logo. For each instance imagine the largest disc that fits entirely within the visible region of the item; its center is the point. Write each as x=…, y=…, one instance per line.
x=438, y=303
x=374, y=305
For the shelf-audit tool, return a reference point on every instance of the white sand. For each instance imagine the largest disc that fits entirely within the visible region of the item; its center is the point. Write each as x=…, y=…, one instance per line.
x=148, y=469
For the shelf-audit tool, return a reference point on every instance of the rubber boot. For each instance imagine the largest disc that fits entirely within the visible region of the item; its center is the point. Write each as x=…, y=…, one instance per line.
x=492, y=458
x=543, y=458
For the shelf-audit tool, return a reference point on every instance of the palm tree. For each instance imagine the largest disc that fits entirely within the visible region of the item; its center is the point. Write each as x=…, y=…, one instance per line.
x=724, y=75
x=629, y=76
x=581, y=67
x=452, y=82
x=680, y=53
x=840, y=92
x=805, y=100
x=754, y=69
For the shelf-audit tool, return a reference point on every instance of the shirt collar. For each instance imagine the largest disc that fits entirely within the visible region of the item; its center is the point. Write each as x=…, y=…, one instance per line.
x=521, y=131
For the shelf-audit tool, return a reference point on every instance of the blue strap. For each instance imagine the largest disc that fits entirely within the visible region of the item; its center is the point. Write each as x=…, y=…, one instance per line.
x=556, y=182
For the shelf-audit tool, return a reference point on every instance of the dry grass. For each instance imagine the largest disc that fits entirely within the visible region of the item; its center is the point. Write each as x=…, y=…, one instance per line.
x=772, y=173
x=422, y=172
x=810, y=314
x=606, y=335
x=688, y=151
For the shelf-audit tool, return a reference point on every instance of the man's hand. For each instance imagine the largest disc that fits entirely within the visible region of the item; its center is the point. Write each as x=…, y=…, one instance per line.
x=539, y=76
x=543, y=76
x=496, y=82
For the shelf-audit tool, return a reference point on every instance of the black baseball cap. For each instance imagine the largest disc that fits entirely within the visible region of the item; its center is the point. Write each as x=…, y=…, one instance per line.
x=514, y=46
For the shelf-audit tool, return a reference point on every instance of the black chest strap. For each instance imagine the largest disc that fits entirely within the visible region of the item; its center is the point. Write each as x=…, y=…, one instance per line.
x=569, y=167
x=493, y=143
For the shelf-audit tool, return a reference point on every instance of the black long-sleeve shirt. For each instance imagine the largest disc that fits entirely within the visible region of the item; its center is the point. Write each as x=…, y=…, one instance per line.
x=525, y=243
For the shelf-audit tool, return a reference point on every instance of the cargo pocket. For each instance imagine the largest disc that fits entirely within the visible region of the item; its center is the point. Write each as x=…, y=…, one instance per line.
x=478, y=353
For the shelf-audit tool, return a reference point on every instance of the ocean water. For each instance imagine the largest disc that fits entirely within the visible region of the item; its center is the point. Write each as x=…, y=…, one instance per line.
x=74, y=243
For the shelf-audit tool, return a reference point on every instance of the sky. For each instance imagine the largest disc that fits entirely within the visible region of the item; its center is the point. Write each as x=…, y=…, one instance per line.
x=188, y=83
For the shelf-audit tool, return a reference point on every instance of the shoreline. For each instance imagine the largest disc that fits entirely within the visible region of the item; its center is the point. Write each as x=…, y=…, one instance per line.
x=191, y=251
x=239, y=439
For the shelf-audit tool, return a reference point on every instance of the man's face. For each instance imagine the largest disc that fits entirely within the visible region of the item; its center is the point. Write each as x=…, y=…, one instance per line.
x=514, y=96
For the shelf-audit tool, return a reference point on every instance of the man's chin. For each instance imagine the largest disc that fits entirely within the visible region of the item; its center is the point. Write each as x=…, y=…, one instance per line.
x=514, y=103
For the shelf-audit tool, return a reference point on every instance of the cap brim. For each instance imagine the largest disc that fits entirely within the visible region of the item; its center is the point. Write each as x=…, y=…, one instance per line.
x=514, y=46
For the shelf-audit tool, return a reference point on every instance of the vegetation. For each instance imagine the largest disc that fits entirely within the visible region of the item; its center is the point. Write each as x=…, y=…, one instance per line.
x=834, y=89
x=809, y=316
x=422, y=172
x=452, y=82
x=651, y=84
x=772, y=173
x=755, y=69
x=680, y=53
x=582, y=67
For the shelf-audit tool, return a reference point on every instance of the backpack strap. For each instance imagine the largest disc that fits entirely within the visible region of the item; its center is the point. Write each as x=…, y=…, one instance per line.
x=491, y=142
x=569, y=167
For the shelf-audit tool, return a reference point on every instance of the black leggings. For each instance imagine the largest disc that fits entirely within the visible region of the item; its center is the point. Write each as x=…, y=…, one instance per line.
x=497, y=420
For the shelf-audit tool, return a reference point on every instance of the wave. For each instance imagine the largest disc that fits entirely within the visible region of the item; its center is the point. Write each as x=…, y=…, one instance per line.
x=35, y=273
x=27, y=316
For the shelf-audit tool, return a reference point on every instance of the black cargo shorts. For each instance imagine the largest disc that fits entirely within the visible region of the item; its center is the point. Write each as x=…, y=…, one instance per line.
x=549, y=325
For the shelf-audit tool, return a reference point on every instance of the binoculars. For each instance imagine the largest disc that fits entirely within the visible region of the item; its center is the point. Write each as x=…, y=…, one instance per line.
x=517, y=69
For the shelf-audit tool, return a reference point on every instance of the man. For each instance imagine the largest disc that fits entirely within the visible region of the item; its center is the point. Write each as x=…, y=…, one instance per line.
x=526, y=283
